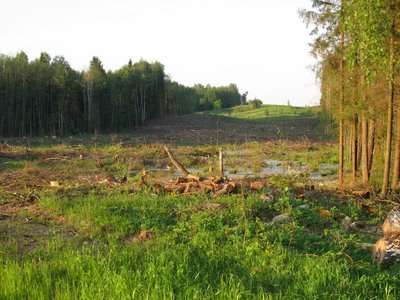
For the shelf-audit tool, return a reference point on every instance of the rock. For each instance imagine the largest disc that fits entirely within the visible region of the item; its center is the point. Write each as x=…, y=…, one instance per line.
x=358, y=225
x=304, y=206
x=346, y=220
x=281, y=218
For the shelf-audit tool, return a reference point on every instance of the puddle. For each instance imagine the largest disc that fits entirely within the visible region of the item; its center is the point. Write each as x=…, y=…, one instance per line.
x=325, y=173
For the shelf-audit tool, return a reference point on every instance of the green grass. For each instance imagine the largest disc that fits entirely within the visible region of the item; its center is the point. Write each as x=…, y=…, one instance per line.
x=232, y=252
x=267, y=111
x=11, y=165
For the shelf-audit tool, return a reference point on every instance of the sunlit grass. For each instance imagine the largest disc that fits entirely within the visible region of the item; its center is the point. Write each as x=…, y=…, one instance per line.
x=268, y=111
x=231, y=252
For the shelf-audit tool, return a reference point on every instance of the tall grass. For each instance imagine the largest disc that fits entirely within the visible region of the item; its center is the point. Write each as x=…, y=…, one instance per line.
x=230, y=251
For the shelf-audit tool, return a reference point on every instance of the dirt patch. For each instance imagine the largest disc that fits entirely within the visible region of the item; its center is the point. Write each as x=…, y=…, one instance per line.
x=211, y=129
x=24, y=225
x=143, y=236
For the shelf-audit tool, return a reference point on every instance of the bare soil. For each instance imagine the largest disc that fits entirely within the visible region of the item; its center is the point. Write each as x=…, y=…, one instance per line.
x=211, y=129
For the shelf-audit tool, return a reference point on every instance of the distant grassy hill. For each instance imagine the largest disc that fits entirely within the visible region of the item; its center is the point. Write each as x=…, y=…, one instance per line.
x=265, y=111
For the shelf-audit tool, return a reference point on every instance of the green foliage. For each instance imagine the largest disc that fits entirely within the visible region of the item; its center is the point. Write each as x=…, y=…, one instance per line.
x=356, y=43
x=47, y=97
x=218, y=104
x=255, y=103
x=11, y=165
x=234, y=251
x=228, y=95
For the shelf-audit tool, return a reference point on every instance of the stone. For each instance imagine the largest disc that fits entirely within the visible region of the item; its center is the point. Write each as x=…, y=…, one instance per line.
x=281, y=218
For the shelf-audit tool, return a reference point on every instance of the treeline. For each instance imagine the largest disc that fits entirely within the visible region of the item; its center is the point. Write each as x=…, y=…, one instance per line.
x=357, y=43
x=47, y=97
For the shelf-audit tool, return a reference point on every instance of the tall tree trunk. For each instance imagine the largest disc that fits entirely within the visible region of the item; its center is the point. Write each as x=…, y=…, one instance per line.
x=364, y=128
x=354, y=148
x=341, y=100
x=389, y=128
x=371, y=145
x=396, y=166
x=89, y=99
x=364, y=149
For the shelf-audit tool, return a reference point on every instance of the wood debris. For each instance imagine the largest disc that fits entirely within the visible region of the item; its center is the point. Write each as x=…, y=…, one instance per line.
x=257, y=185
x=142, y=236
x=192, y=184
x=361, y=194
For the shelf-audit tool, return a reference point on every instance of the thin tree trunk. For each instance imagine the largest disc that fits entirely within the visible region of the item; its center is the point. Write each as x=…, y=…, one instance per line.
x=364, y=149
x=364, y=129
x=396, y=166
x=354, y=148
x=371, y=145
x=389, y=128
x=341, y=103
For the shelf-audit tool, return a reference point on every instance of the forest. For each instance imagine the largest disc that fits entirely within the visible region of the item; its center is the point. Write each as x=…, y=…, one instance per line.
x=357, y=46
x=47, y=97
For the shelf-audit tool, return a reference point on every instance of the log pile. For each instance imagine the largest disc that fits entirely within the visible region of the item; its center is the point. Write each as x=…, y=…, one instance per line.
x=387, y=250
x=192, y=184
x=216, y=186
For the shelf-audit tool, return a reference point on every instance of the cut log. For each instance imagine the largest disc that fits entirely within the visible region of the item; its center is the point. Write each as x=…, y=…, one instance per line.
x=257, y=185
x=181, y=180
x=205, y=186
x=227, y=188
x=218, y=180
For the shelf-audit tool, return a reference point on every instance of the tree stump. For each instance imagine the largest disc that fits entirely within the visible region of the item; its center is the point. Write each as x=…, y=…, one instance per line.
x=387, y=250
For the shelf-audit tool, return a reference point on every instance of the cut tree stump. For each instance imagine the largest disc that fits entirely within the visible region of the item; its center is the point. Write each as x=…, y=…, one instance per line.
x=387, y=250
x=221, y=163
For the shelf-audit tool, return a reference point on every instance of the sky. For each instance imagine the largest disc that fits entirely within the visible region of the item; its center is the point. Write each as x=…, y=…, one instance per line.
x=260, y=45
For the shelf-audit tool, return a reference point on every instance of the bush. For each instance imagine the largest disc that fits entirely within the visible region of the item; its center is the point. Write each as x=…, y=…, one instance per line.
x=255, y=103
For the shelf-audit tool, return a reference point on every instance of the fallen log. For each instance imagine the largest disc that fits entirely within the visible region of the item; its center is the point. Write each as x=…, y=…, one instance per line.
x=387, y=250
x=179, y=166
